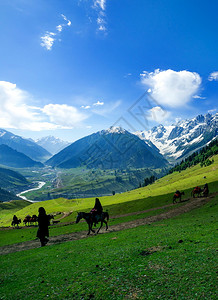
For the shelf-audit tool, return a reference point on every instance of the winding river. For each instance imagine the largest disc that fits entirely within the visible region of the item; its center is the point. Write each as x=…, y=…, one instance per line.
x=40, y=185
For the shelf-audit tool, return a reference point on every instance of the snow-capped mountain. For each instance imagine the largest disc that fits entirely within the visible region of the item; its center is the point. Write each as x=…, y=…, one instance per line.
x=114, y=148
x=52, y=144
x=177, y=141
x=25, y=146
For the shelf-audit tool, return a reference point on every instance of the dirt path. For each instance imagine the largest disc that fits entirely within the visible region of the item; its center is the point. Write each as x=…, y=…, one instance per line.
x=193, y=204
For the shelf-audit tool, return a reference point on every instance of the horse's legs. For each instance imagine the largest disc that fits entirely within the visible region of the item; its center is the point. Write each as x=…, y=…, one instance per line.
x=106, y=224
x=100, y=226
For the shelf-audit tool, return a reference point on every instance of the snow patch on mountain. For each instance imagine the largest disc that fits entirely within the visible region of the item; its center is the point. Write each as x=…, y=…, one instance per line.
x=181, y=139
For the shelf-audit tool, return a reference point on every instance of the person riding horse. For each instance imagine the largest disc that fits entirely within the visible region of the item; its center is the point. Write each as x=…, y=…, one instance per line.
x=96, y=211
x=15, y=219
x=205, y=190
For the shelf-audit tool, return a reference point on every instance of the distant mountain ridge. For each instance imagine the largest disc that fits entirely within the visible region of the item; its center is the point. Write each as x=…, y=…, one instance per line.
x=25, y=146
x=179, y=140
x=12, y=158
x=109, y=149
x=52, y=144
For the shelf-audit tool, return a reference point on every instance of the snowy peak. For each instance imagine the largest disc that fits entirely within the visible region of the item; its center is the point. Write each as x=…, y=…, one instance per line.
x=52, y=144
x=181, y=139
x=114, y=129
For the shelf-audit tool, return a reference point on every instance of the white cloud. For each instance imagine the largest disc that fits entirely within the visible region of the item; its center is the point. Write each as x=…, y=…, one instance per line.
x=158, y=114
x=59, y=28
x=48, y=38
x=213, y=76
x=100, y=7
x=63, y=114
x=211, y=111
x=85, y=106
x=17, y=112
x=171, y=88
x=198, y=97
x=98, y=103
x=100, y=4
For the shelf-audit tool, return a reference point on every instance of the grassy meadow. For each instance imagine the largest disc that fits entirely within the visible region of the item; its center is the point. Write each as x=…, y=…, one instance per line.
x=171, y=259
x=167, y=185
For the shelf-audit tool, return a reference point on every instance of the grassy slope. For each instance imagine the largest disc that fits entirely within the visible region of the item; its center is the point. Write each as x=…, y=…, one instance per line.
x=9, y=208
x=185, y=180
x=147, y=262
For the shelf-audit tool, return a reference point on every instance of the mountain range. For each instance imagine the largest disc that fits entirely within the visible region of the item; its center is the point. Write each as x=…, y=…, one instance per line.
x=179, y=140
x=52, y=144
x=12, y=158
x=109, y=149
x=25, y=146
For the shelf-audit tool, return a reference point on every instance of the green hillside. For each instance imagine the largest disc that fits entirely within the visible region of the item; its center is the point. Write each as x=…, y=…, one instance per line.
x=12, y=180
x=184, y=180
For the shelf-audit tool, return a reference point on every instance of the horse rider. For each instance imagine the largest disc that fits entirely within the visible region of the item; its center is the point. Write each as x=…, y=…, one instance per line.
x=206, y=190
x=96, y=211
x=15, y=219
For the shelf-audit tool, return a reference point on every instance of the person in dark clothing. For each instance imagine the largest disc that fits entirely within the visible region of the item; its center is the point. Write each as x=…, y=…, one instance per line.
x=44, y=222
x=206, y=190
x=96, y=211
x=15, y=219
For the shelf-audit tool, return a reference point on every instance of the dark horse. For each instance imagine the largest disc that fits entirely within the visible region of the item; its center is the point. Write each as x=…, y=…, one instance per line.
x=103, y=218
x=196, y=191
x=16, y=222
x=177, y=195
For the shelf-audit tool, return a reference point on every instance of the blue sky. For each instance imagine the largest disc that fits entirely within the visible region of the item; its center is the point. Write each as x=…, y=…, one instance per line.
x=72, y=67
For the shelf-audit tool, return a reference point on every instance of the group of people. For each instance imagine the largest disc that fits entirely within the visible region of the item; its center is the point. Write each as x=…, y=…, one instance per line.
x=44, y=221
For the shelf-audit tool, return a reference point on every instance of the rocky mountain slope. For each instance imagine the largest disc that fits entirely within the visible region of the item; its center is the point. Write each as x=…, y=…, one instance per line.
x=179, y=140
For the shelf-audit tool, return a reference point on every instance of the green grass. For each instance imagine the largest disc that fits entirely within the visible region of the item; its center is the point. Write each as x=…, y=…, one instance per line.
x=185, y=180
x=9, y=208
x=171, y=259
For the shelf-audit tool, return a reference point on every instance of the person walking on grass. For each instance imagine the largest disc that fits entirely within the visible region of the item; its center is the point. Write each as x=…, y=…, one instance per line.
x=44, y=222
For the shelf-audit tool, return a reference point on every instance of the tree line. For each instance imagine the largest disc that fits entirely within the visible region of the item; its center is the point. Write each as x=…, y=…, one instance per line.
x=203, y=157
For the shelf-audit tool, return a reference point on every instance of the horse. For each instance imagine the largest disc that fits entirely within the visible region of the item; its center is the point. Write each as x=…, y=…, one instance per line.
x=33, y=219
x=205, y=192
x=27, y=220
x=177, y=195
x=103, y=218
x=16, y=222
x=196, y=191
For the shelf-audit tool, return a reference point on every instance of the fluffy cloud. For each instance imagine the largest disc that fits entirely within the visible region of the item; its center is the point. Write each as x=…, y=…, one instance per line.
x=98, y=103
x=48, y=39
x=63, y=114
x=213, y=76
x=16, y=112
x=171, y=88
x=158, y=114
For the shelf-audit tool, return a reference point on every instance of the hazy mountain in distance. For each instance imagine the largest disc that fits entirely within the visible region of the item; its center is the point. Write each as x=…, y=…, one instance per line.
x=52, y=144
x=24, y=146
x=12, y=158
